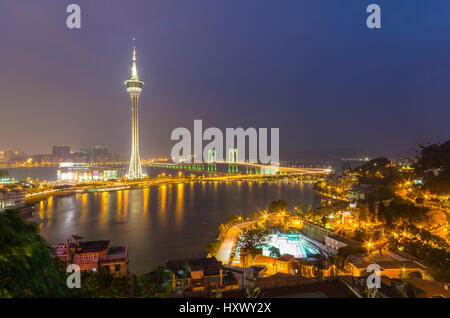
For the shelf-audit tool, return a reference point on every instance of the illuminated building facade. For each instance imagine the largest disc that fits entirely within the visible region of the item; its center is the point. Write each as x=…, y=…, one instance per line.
x=11, y=198
x=134, y=88
x=82, y=172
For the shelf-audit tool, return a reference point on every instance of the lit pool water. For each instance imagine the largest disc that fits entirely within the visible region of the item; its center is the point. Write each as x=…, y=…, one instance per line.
x=292, y=243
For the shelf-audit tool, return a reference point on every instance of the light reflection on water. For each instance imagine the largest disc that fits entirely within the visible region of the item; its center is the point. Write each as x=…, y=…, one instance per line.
x=164, y=222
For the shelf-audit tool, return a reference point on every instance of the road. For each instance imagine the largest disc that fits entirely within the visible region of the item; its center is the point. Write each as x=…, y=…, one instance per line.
x=224, y=252
x=426, y=205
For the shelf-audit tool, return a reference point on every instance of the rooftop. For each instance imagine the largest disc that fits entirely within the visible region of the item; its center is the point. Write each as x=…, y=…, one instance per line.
x=399, y=264
x=285, y=257
x=308, y=289
x=117, y=252
x=431, y=288
x=362, y=261
x=343, y=239
x=261, y=259
x=359, y=261
x=83, y=247
x=92, y=246
x=210, y=265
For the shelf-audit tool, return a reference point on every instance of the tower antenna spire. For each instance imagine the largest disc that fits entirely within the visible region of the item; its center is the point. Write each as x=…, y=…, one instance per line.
x=134, y=72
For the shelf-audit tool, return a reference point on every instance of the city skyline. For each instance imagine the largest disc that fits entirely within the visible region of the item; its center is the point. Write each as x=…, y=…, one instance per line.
x=321, y=75
x=280, y=150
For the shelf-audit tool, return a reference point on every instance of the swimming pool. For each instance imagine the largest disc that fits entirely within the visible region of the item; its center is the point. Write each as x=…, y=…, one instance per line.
x=292, y=243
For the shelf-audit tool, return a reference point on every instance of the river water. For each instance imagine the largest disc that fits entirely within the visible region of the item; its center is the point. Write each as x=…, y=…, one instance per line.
x=162, y=222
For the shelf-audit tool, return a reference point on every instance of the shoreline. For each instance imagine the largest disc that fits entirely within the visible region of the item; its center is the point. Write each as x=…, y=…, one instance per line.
x=33, y=200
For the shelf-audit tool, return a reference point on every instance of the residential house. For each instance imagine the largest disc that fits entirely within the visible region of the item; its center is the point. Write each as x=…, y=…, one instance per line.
x=94, y=256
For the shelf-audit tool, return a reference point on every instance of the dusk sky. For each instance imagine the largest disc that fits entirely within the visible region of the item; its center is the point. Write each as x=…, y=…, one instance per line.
x=311, y=68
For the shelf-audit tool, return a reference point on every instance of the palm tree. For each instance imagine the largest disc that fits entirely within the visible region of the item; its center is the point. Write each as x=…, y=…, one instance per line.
x=301, y=265
x=319, y=264
x=370, y=292
x=340, y=262
x=334, y=262
x=252, y=290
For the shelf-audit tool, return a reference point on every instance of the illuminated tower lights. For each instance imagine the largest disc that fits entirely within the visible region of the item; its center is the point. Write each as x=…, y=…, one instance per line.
x=134, y=88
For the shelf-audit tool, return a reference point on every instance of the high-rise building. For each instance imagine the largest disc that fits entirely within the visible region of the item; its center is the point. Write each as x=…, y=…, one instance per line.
x=10, y=155
x=79, y=156
x=101, y=154
x=97, y=154
x=42, y=158
x=134, y=88
x=61, y=153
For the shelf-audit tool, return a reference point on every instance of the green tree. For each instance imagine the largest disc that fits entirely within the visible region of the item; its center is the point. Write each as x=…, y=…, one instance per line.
x=402, y=210
x=26, y=267
x=4, y=174
x=28, y=270
x=252, y=290
x=370, y=292
x=319, y=265
x=277, y=206
x=155, y=283
x=320, y=212
x=361, y=235
x=105, y=285
x=435, y=157
x=274, y=251
x=254, y=238
x=372, y=211
x=299, y=210
x=420, y=200
x=362, y=213
x=213, y=247
x=335, y=263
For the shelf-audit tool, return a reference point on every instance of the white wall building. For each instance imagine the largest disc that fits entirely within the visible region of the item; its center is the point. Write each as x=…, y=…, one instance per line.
x=11, y=198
